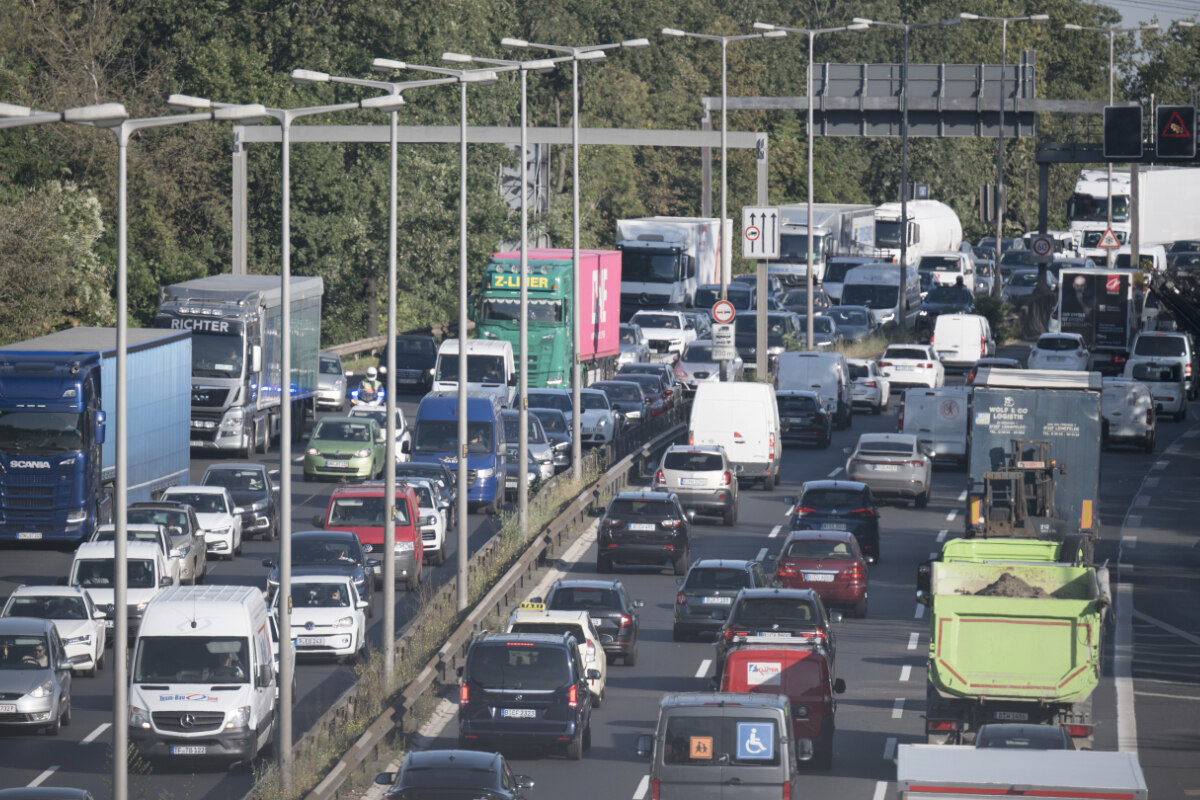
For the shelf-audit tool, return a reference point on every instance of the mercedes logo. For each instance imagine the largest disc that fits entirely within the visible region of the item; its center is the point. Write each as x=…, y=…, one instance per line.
x=187, y=720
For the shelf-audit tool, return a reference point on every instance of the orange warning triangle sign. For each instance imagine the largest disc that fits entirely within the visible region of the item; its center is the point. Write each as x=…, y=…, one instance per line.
x=1108, y=240
x=1175, y=128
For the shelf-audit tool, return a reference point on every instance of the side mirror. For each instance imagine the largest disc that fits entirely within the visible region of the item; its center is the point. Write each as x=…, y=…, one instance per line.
x=739, y=468
x=268, y=563
x=238, y=510
x=100, y=417
x=256, y=358
x=176, y=553
x=848, y=450
x=839, y=686
x=524, y=781
x=593, y=674
x=266, y=674
x=373, y=562
x=645, y=746
x=638, y=604
x=406, y=446
x=108, y=610
x=458, y=671
x=318, y=520
x=361, y=604
x=165, y=580
x=100, y=613
x=512, y=380
x=385, y=778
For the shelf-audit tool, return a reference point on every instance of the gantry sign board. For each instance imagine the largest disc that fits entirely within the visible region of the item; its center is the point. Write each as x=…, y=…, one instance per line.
x=760, y=232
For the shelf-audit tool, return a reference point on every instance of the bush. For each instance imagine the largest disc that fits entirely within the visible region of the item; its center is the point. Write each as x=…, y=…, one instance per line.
x=1000, y=317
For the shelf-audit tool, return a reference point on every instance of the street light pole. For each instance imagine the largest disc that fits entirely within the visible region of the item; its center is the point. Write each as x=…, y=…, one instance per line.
x=577, y=54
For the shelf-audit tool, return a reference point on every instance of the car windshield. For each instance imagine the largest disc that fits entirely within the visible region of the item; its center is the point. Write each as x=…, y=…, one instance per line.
x=635, y=507
x=330, y=366
x=618, y=392
x=849, y=316
x=98, y=573
x=1057, y=343
x=638, y=267
x=869, y=295
x=444, y=779
x=418, y=469
x=747, y=325
x=657, y=321
x=365, y=512
x=593, y=401
x=584, y=598
x=558, y=400
x=236, y=480
x=706, y=296
x=512, y=422
x=518, y=665
x=796, y=298
x=192, y=659
x=820, y=324
x=441, y=436
x=698, y=353
x=911, y=353
x=555, y=423
x=1018, y=257
x=343, y=431
x=204, y=503
x=154, y=516
x=817, y=548
x=717, y=578
x=629, y=335
x=305, y=551
x=480, y=368
x=424, y=496
x=320, y=595
x=693, y=461
x=106, y=534
x=23, y=652
x=1159, y=346
x=772, y=610
x=790, y=405
x=938, y=264
x=650, y=383
x=885, y=447
x=1022, y=277
x=1157, y=373
x=833, y=498
x=948, y=294
x=46, y=607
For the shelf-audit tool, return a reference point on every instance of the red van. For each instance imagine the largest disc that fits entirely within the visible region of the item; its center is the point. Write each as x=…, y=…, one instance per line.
x=359, y=508
x=794, y=668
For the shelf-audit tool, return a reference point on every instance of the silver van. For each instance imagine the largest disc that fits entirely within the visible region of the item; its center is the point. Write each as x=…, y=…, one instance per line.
x=722, y=746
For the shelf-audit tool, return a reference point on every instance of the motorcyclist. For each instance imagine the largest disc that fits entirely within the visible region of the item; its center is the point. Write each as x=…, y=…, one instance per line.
x=370, y=390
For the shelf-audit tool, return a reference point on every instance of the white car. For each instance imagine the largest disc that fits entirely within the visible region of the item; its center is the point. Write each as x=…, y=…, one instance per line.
x=598, y=420
x=868, y=386
x=273, y=623
x=912, y=365
x=534, y=618
x=215, y=511
x=79, y=623
x=328, y=617
x=697, y=366
x=667, y=332
x=178, y=565
x=1060, y=351
x=379, y=414
x=433, y=510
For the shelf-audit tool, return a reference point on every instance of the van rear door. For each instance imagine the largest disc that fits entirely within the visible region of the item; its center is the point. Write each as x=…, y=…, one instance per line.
x=757, y=763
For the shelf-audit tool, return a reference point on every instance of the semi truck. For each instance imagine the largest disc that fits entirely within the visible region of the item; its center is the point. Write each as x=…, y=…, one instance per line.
x=1098, y=305
x=237, y=353
x=57, y=428
x=838, y=229
x=664, y=260
x=931, y=227
x=1168, y=207
x=551, y=275
x=1034, y=465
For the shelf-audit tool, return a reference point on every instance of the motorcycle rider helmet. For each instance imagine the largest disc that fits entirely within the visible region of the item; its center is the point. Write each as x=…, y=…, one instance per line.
x=371, y=373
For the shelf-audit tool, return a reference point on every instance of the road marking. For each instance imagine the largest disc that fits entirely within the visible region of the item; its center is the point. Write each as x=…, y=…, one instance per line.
x=898, y=708
x=1134, y=520
x=1168, y=696
x=762, y=554
x=880, y=790
x=1129, y=541
x=905, y=674
x=298, y=460
x=704, y=665
x=1166, y=626
x=1141, y=500
x=643, y=787
x=774, y=532
x=951, y=516
x=835, y=472
x=889, y=748
x=1150, y=483
x=1175, y=448
x=91, y=737
x=962, y=496
x=920, y=612
x=941, y=537
x=933, y=556
x=45, y=774
x=1160, y=465
x=913, y=638
x=1191, y=434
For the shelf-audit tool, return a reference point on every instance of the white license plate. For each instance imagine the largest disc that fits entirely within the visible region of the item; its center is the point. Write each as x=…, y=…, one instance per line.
x=108, y=623
x=597, y=621
x=196, y=444
x=691, y=481
x=310, y=641
x=773, y=635
x=944, y=353
x=337, y=464
x=1056, y=358
x=188, y=750
x=1012, y=716
x=29, y=536
x=833, y=526
x=884, y=467
x=818, y=577
x=642, y=526
x=716, y=601
x=519, y=713
x=9, y=708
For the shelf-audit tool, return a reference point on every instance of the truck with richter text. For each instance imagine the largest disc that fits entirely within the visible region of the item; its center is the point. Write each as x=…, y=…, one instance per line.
x=58, y=427
x=664, y=260
x=839, y=229
x=551, y=311
x=235, y=322
x=1168, y=207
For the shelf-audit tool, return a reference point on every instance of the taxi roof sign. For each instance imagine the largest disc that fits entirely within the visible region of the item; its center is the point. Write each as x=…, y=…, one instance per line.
x=527, y=606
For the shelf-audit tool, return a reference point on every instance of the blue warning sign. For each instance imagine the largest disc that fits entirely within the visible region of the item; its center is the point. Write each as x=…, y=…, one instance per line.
x=755, y=741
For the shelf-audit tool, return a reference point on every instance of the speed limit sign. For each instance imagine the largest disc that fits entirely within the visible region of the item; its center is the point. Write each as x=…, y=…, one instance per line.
x=1042, y=247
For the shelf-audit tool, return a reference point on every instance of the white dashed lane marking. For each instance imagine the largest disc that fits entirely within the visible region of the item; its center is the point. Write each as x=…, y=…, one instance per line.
x=880, y=790
x=91, y=737
x=898, y=708
x=920, y=612
x=962, y=496
x=642, y=787
x=914, y=637
x=762, y=554
x=889, y=748
x=774, y=532
x=1142, y=500
x=941, y=537
x=905, y=673
x=703, y=670
x=45, y=774
x=834, y=474
x=1133, y=521
x=1150, y=483
x=952, y=515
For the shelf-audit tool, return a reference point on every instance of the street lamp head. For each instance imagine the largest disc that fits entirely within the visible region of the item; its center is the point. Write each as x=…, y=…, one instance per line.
x=858, y=26
x=1039, y=18
x=672, y=32
x=457, y=58
x=592, y=55
x=775, y=35
x=482, y=77
x=763, y=26
x=9, y=110
x=1151, y=27
x=509, y=42
x=541, y=65
x=103, y=115
x=186, y=102
x=642, y=42
x=968, y=15
x=387, y=65
x=386, y=102
x=250, y=113
x=1186, y=23
x=304, y=77
x=863, y=21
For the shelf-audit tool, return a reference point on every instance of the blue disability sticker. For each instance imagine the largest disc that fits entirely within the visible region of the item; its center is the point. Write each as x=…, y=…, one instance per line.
x=755, y=741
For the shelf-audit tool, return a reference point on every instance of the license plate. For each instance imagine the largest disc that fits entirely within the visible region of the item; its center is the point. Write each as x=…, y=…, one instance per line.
x=108, y=623
x=1056, y=358
x=818, y=577
x=337, y=464
x=519, y=713
x=188, y=750
x=691, y=481
x=773, y=635
x=10, y=708
x=716, y=601
x=833, y=526
x=944, y=353
x=1012, y=716
x=29, y=536
x=597, y=621
x=310, y=641
x=194, y=443
x=642, y=526
x=884, y=467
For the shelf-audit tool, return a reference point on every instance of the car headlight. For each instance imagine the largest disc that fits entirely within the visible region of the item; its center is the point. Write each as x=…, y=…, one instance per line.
x=363, y=453
x=312, y=451
x=44, y=690
x=486, y=472
x=87, y=639
x=602, y=423
x=404, y=547
x=141, y=607
x=239, y=718
x=544, y=458
x=633, y=414
x=344, y=622
x=139, y=717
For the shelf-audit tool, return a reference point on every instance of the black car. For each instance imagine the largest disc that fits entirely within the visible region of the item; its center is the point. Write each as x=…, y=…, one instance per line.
x=627, y=398
x=612, y=610
x=416, y=357
x=558, y=431
x=525, y=688
x=802, y=419
x=782, y=326
x=944, y=300
x=707, y=593
x=1017, y=736
x=665, y=371
x=839, y=506
x=760, y=615
x=797, y=300
x=644, y=528
x=453, y=774
x=253, y=489
x=326, y=552
x=657, y=391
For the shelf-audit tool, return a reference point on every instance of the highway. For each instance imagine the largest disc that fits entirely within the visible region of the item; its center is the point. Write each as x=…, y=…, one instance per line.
x=881, y=658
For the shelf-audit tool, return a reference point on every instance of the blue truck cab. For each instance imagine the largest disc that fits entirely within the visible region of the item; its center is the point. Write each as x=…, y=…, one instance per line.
x=57, y=397
x=435, y=439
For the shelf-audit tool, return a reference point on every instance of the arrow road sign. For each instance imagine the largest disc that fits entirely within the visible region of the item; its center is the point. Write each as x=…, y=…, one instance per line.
x=760, y=232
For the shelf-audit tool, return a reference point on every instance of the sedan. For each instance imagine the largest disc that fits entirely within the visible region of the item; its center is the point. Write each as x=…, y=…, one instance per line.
x=670, y=380
x=558, y=431
x=855, y=322
x=826, y=334
x=466, y=773
x=707, y=593
x=537, y=445
x=658, y=396
x=182, y=563
x=345, y=447
x=829, y=563
x=331, y=382
x=598, y=420
x=698, y=366
x=252, y=487
x=35, y=676
x=912, y=365
x=893, y=465
x=828, y=505
x=79, y=623
x=215, y=512
x=797, y=300
x=557, y=399
x=1061, y=351
x=635, y=347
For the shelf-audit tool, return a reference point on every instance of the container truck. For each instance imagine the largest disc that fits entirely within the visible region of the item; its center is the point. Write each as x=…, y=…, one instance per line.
x=551, y=312
x=235, y=322
x=957, y=773
x=1098, y=305
x=1168, y=199
x=664, y=260
x=838, y=229
x=57, y=440
x=932, y=226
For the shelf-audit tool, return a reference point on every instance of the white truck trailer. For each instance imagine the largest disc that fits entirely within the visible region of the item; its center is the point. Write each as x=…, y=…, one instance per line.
x=664, y=259
x=1168, y=207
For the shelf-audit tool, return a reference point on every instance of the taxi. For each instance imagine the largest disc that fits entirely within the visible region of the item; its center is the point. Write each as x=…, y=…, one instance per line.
x=534, y=618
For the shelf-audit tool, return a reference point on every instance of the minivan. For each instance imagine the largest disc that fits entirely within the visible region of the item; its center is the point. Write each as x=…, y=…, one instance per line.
x=827, y=374
x=962, y=339
x=490, y=368
x=435, y=439
x=744, y=419
x=721, y=746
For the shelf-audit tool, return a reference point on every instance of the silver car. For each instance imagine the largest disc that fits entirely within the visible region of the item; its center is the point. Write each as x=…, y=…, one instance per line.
x=539, y=447
x=35, y=675
x=635, y=347
x=702, y=478
x=697, y=366
x=331, y=383
x=893, y=465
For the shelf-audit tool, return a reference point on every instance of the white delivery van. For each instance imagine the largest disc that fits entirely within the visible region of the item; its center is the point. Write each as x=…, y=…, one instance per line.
x=877, y=286
x=938, y=418
x=962, y=339
x=1165, y=382
x=945, y=268
x=827, y=374
x=744, y=419
x=147, y=573
x=1127, y=412
x=490, y=368
x=202, y=679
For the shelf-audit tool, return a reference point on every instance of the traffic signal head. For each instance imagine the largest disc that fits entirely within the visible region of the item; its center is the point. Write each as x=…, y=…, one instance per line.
x=1123, y=133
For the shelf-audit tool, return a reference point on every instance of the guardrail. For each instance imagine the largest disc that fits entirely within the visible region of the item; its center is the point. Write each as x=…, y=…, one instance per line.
x=374, y=344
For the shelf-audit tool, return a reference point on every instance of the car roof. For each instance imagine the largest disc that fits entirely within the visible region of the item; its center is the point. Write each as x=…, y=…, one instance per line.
x=47, y=590
x=795, y=393
x=236, y=465
x=696, y=448
x=333, y=536
x=315, y=575
x=134, y=549
x=25, y=626
x=163, y=505
x=489, y=637
x=371, y=488
x=461, y=759
x=195, y=488
x=736, y=700
x=906, y=438
x=776, y=591
x=723, y=563
x=549, y=615
x=645, y=494
x=584, y=583
x=818, y=535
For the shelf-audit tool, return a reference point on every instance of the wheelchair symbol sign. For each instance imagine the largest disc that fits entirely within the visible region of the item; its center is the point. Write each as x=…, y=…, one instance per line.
x=755, y=741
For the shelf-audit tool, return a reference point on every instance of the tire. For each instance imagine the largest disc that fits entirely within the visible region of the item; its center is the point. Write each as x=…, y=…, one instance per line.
x=597, y=701
x=1181, y=415
x=877, y=409
x=603, y=566
x=680, y=565
x=237, y=550
x=860, y=610
x=371, y=607
x=729, y=517
x=630, y=657
x=272, y=531
x=439, y=557
x=100, y=661
x=307, y=478
x=823, y=753
x=848, y=423
x=587, y=736
x=824, y=443
x=678, y=635
x=1149, y=445
x=923, y=500
x=769, y=482
x=575, y=748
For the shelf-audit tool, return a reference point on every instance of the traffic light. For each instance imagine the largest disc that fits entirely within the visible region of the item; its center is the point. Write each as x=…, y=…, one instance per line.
x=1175, y=132
x=1123, y=133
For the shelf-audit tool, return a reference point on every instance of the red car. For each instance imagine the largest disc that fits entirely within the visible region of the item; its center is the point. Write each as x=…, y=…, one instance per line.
x=359, y=508
x=658, y=394
x=828, y=562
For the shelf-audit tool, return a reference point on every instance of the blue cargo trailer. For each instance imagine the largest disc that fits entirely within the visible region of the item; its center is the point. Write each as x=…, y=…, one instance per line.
x=57, y=427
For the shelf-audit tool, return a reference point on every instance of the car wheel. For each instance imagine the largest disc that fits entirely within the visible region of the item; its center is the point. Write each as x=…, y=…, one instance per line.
x=1182, y=415
x=100, y=661
x=769, y=482
x=630, y=658
x=307, y=478
x=587, y=736
x=371, y=606
x=1149, y=446
x=597, y=701
x=730, y=516
x=439, y=558
x=923, y=500
x=824, y=443
x=603, y=566
x=237, y=550
x=860, y=610
x=575, y=748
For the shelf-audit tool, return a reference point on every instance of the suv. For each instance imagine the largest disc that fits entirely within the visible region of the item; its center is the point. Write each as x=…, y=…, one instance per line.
x=759, y=614
x=702, y=478
x=644, y=528
x=613, y=612
x=829, y=563
x=707, y=593
x=252, y=487
x=475, y=774
x=416, y=357
x=528, y=688
x=839, y=506
x=534, y=618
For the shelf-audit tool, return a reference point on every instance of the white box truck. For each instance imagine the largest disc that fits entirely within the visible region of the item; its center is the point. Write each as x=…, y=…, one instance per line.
x=838, y=229
x=664, y=259
x=1169, y=207
x=932, y=226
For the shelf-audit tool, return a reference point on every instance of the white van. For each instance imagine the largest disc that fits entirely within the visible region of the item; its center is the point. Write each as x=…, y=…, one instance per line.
x=938, y=418
x=877, y=286
x=490, y=368
x=962, y=339
x=827, y=374
x=1127, y=410
x=947, y=267
x=744, y=419
x=147, y=571
x=1168, y=391
x=202, y=677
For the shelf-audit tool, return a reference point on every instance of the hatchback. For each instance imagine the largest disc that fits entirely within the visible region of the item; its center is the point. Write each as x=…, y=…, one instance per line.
x=644, y=528
x=702, y=478
x=627, y=398
x=829, y=563
x=658, y=396
x=613, y=612
x=797, y=300
x=79, y=623
x=35, y=676
x=454, y=773
x=893, y=465
x=764, y=614
x=342, y=447
x=216, y=513
x=801, y=418
x=698, y=366
x=1061, y=351
x=868, y=386
x=328, y=616
x=707, y=593
x=673, y=389
x=855, y=322
x=912, y=365
x=839, y=506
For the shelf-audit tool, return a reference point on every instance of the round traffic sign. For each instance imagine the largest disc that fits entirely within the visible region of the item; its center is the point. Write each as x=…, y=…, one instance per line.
x=752, y=233
x=1041, y=245
x=722, y=312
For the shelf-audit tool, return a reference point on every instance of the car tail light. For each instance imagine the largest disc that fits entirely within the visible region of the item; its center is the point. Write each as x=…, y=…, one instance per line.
x=883, y=364
x=926, y=365
x=654, y=789
x=970, y=377
x=667, y=392
x=1187, y=370
x=691, y=437
x=787, y=790
x=1054, y=314
x=464, y=694
x=613, y=523
x=1149, y=416
x=915, y=463
x=672, y=523
x=680, y=598
x=800, y=511
x=870, y=384
x=855, y=573
x=785, y=568
x=659, y=477
x=726, y=478
x=626, y=620
x=1079, y=730
x=864, y=512
x=729, y=635
x=573, y=696
x=771, y=444
x=941, y=725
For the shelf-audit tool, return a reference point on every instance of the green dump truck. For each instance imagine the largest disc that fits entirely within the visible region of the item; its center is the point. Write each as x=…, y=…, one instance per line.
x=1013, y=638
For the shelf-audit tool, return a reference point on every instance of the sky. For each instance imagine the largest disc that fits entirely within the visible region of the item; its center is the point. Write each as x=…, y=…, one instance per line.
x=1137, y=12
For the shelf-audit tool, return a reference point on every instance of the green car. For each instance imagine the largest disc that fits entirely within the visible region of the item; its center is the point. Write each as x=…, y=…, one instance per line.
x=345, y=447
